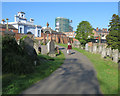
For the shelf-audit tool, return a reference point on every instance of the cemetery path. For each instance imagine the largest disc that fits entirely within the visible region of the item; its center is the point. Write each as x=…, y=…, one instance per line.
x=75, y=76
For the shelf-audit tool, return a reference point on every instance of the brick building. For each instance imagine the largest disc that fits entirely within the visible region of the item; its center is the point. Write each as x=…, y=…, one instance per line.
x=100, y=32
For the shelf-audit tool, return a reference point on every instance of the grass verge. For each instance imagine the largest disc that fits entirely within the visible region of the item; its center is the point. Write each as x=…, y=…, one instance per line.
x=107, y=71
x=15, y=84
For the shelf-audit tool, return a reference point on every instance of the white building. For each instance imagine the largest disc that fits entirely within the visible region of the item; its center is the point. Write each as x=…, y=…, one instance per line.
x=24, y=26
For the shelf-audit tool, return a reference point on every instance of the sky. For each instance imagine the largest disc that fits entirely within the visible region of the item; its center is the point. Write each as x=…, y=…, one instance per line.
x=98, y=14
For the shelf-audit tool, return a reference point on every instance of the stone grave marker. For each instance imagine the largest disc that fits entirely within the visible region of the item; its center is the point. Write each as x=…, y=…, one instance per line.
x=94, y=48
x=28, y=46
x=44, y=49
x=103, y=53
x=86, y=46
x=52, y=49
x=115, y=55
x=99, y=49
x=109, y=52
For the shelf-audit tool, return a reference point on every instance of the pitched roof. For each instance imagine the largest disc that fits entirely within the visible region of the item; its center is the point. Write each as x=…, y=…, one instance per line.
x=9, y=26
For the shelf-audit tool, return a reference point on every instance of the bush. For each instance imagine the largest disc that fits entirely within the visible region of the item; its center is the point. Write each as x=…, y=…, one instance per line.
x=15, y=59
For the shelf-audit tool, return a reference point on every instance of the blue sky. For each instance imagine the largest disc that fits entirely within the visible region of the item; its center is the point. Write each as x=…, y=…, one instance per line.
x=97, y=13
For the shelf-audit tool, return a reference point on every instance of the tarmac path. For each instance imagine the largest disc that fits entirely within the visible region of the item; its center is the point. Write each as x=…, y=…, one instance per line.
x=75, y=76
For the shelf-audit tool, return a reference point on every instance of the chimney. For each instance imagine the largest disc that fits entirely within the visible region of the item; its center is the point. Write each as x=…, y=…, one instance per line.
x=3, y=21
x=97, y=29
x=103, y=29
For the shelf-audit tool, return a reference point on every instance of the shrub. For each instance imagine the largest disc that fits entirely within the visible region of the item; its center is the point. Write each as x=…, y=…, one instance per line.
x=15, y=59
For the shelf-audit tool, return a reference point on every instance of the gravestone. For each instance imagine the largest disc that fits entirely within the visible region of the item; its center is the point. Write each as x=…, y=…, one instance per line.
x=109, y=52
x=86, y=46
x=44, y=49
x=52, y=49
x=103, y=53
x=99, y=49
x=115, y=55
x=36, y=48
x=94, y=48
x=90, y=49
x=48, y=46
x=28, y=46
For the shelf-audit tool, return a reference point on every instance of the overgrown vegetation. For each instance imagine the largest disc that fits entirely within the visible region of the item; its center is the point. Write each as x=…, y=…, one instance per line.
x=107, y=71
x=14, y=58
x=17, y=64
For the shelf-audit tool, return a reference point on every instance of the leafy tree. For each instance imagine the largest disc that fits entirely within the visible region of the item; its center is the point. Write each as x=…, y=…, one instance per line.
x=84, y=30
x=113, y=39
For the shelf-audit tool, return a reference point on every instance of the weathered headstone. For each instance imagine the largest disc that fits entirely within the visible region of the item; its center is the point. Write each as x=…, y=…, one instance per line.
x=44, y=49
x=36, y=48
x=28, y=46
x=86, y=46
x=109, y=51
x=48, y=46
x=99, y=49
x=94, y=48
x=103, y=54
x=52, y=49
x=90, y=49
x=115, y=55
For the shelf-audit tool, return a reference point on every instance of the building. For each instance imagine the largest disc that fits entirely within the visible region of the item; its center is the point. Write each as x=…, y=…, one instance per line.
x=70, y=34
x=100, y=34
x=63, y=25
x=10, y=31
x=24, y=26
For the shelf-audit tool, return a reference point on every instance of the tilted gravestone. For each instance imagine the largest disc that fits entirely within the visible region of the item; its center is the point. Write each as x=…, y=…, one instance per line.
x=115, y=55
x=28, y=44
x=36, y=48
x=86, y=46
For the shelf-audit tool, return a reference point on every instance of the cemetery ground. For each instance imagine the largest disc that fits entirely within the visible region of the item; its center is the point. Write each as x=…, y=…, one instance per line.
x=15, y=84
x=107, y=71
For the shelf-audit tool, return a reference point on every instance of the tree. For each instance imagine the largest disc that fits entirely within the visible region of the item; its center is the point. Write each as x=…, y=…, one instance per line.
x=84, y=30
x=113, y=39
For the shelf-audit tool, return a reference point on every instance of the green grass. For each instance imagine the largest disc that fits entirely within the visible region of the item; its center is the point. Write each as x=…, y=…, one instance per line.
x=15, y=84
x=107, y=71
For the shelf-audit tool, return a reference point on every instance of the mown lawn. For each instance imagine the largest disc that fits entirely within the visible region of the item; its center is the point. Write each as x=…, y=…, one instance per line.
x=107, y=71
x=15, y=84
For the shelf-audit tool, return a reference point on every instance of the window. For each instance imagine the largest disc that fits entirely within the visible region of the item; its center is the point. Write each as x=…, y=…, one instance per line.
x=20, y=30
x=38, y=33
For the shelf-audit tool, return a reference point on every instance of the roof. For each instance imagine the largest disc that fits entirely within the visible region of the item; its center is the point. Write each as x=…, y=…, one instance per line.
x=101, y=31
x=9, y=26
x=8, y=32
x=21, y=12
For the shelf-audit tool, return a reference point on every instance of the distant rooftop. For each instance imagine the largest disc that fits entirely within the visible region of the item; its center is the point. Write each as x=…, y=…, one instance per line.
x=21, y=12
